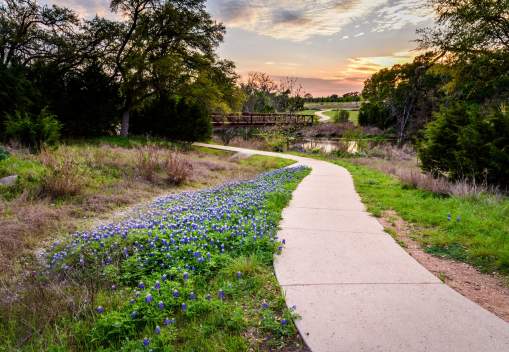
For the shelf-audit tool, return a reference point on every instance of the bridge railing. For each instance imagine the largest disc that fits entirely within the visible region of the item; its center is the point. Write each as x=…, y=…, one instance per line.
x=262, y=119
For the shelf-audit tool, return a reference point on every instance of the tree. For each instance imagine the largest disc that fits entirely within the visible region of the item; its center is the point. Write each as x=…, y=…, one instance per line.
x=465, y=142
x=404, y=95
x=467, y=27
x=159, y=45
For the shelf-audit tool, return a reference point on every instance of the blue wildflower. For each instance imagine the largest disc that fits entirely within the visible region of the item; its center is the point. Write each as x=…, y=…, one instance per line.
x=134, y=314
x=186, y=276
x=184, y=307
x=192, y=296
x=161, y=305
x=239, y=274
x=100, y=309
x=148, y=298
x=146, y=341
x=141, y=285
x=284, y=322
x=175, y=293
x=220, y=294
x=157, y=285
x=157, y=330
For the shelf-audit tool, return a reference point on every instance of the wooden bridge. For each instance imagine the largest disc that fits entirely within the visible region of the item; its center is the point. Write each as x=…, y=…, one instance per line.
x=261, y=119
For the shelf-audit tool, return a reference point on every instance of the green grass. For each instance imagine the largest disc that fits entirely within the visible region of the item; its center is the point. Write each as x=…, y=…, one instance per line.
x=30, y=173
x=353, y=115
x=480, y=236
x=263, y=162
x=306, y=112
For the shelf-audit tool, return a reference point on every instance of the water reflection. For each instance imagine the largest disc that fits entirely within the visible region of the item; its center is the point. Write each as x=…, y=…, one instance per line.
x=327, y=145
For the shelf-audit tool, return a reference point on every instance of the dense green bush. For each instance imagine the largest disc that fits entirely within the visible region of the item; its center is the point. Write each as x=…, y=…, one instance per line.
x=373, y=114
x=33, y=131
x=467, y=141
x=182, y=120
x=4, y=154
x=341, y=116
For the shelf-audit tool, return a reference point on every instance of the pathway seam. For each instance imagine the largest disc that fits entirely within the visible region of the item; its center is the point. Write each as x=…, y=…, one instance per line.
x=375, y=314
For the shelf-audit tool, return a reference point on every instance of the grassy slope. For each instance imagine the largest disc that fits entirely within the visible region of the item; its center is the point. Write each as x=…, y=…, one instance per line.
x=478, y=232
x=236, y=324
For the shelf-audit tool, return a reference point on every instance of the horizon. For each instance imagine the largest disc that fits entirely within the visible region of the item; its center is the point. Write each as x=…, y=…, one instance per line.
x=331, y=47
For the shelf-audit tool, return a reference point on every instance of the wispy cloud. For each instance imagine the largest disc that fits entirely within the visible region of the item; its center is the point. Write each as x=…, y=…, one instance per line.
x=295, y=20
x=298, y=20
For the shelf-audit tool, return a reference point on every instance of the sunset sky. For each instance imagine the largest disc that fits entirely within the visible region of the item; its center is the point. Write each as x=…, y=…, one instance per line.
x=331, y=46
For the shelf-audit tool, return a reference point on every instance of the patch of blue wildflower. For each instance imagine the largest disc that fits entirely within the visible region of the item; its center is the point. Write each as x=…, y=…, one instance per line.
x=187, y=258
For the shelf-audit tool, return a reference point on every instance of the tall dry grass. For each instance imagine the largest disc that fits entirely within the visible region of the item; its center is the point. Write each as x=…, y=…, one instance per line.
x=65, y=175
x=402, y=163
x=177, y=168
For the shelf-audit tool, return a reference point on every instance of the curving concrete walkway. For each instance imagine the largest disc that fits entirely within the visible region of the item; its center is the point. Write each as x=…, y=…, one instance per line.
x=356, y=289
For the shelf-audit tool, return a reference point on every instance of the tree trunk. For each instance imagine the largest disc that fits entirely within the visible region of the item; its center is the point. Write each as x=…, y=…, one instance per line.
x=124, y=130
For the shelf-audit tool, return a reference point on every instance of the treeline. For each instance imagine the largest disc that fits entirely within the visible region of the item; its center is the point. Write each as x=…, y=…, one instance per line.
x=334, y=98
x=261, y=93
x=150, y=67
x=452, y=101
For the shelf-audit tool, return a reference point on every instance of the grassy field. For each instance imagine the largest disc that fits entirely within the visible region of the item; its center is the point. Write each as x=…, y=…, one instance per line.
x=78, y=186
x=146, y=284
x=307, y=112
x=474, y=230
x=353, y=115
x=333, y=105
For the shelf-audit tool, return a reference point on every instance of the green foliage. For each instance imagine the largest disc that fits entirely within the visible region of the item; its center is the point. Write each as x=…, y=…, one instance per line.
x=33, y=131
x=184, y=120
x=375, y=114
x=466, y=141
x=340, y=116
x=4, y=154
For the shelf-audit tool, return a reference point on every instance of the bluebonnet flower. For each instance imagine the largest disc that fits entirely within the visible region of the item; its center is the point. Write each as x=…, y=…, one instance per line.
x=265, y=305
x=100, y=309
x=146, y=341
x=168, y=321
x=208, y=297
x=284, y=322
x=192, y=296
x=141, y=285
x=184, y=307
x=157, y=330
x=283, y=241
x=134, y=314
x=239, y=274
x=164, y=277
x=220, y=294
x=449, y=216
x=175, y=293
x=157, y=285
x=161, y=305
x=148, y=298
x=186, y=276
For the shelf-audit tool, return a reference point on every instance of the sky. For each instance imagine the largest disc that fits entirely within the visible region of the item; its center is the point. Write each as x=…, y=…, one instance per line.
x=330, y=46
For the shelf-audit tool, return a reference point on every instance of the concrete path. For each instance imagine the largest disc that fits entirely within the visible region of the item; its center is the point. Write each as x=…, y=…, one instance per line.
x=323, y=117
x=356, y=289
